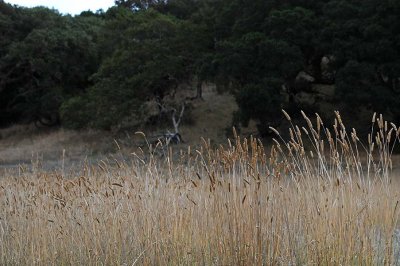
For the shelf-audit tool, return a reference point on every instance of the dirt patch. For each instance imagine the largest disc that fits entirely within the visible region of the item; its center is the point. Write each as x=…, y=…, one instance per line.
x=51, y=145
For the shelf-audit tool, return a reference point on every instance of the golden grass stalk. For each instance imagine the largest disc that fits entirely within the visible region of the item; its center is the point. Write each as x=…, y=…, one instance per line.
x=320, y=204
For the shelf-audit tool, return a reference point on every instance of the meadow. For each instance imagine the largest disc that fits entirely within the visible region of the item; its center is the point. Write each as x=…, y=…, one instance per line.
x=320, y=197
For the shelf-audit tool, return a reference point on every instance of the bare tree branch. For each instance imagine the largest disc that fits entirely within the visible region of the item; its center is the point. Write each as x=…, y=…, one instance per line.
x=175, y=122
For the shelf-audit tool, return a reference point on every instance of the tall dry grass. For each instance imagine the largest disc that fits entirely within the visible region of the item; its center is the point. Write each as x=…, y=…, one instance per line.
x=320, y=198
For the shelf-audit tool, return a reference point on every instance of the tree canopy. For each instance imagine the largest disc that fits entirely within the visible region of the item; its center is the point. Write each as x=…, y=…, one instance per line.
x=99, y=69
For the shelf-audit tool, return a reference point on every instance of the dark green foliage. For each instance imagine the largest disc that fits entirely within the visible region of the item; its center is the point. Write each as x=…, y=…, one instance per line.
x=261, y=101
x=358, y=88
x=98, y=69
x=49, y=58
x=76, y=112
x=150, y=62
x=361, y=39
x=255, y=56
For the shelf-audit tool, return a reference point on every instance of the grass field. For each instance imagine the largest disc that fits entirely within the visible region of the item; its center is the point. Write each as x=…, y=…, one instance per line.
x=321, y=197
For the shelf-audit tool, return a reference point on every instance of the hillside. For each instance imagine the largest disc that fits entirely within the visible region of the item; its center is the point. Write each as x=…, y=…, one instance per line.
x=26, y=144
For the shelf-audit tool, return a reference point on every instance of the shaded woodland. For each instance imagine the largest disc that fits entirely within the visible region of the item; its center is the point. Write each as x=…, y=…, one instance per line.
x=98, y=69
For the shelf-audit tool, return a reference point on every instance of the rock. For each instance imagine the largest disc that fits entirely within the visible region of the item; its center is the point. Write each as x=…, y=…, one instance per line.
x=305, y=98
x=325, y=91
x=303, y=76
x=327, y=73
